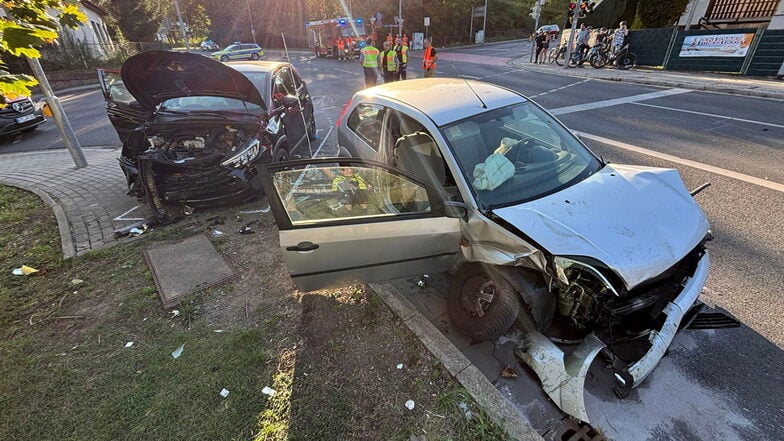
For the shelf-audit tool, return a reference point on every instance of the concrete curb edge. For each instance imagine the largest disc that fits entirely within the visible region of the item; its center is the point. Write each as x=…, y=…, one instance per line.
x=480, y=388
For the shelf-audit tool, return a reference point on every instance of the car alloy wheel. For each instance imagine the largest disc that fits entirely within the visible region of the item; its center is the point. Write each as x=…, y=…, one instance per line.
x=224, y=58
x=254, y=56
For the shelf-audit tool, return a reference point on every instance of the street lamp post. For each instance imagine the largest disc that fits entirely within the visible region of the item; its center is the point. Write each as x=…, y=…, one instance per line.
x=400, y=18
x=250, y=17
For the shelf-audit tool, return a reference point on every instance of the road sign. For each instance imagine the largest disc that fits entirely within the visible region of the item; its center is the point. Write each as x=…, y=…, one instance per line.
x=479, y=11
x=427, y=21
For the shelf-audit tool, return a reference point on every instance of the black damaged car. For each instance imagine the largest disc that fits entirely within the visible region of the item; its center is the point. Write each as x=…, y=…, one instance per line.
x=194, y=129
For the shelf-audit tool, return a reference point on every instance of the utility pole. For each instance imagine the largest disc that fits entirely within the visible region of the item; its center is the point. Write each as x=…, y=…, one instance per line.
x=536, y=11
x=568, y=54
x=691, y=14
x=182, y=27
x=250, y=17
x=400, y=18
x=484, y=25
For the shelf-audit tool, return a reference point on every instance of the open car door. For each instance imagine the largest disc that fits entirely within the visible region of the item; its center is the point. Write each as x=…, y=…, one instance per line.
x=346, y=219
x=125, y=113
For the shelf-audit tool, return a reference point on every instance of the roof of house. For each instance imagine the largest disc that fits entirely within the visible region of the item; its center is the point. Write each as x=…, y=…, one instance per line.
x=95, y=8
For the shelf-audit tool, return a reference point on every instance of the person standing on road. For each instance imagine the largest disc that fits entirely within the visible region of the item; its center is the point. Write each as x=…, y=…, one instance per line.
x=402, y=58
x=539, y=39
x=341, y=46
x=389, y=63
x=429, y=60
x=368, y=58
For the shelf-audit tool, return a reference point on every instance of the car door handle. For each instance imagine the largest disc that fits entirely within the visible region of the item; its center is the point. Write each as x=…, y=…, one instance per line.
x=303, y=246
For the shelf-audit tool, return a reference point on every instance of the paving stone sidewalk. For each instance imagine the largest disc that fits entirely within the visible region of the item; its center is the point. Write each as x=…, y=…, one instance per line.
x=84, y=201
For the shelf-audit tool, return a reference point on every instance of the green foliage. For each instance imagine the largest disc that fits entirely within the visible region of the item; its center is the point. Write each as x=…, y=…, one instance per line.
x=606, y=14
x=31, y=27
x=658, y=14
x=138, y=19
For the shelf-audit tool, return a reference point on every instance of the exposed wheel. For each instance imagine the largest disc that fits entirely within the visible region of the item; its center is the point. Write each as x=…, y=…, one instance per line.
x=282, y=154
x=559, y=57
x=254, y=56
x=598, y=61
x=481, y=305
x=628, y=61
x=224, y=58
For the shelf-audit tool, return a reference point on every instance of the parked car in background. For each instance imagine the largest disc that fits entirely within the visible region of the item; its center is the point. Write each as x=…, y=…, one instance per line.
x=239, y=51
x=552, y=29
x=20, y=115
x=536, y=229
x=209, y=45
x=194, y=130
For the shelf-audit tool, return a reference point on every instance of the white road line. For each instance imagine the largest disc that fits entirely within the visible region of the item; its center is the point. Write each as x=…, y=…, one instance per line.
x=502, y=73
x=617, y=101
x=712, y=115
x=561, y=88
x=689, y=163
x=345, y=71
x=471, y=77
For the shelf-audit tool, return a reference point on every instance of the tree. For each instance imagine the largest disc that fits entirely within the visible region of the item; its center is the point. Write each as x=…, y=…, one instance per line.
x=138, y=19
x=30, y=26
x=659, y=14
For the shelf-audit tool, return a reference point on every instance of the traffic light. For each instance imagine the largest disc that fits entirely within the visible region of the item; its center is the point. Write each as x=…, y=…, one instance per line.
x=586, y=7
x=572, y=5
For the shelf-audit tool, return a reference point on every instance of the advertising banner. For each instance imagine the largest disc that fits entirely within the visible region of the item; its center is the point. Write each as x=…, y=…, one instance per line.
x=718, y=45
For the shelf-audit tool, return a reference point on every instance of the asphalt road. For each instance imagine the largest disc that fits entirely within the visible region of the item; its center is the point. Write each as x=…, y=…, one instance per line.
x=734, y=142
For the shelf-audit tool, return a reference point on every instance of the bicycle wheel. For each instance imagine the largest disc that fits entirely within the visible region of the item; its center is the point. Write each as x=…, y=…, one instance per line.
x=559, y=59
x=598, y=60
x=574, y=60
x=627, y=61
x=552, y=54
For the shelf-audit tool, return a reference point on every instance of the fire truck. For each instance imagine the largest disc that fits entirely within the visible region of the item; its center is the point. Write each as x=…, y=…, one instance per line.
x=323, y=35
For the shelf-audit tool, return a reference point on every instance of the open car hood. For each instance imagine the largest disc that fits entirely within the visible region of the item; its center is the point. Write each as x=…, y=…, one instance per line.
x=639, y=221
x=154, y=77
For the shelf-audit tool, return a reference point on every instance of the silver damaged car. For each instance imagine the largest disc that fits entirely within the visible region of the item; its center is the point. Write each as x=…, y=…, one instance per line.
x=538, y=232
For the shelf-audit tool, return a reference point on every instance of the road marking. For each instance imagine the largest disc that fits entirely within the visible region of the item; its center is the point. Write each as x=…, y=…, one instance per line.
x=471, y=77
x=689, y=163
x=561, y=88
x=502, y=73
x=712, y=114
x=617, y=101
x=122, y=217
x=345, y=71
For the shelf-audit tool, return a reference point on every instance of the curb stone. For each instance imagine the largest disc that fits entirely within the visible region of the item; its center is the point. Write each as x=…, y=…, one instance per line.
x=501, y=411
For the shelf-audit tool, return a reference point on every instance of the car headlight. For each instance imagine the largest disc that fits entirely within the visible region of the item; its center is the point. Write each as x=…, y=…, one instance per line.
x=245, y=156
x=564, y=263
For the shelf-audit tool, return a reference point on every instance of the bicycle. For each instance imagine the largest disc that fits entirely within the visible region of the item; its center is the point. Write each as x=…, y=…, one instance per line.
x=624, y=59
x=556, y=55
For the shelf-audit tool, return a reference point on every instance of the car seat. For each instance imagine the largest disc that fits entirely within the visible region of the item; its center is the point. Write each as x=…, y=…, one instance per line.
x=467, y=143
x=417, y=153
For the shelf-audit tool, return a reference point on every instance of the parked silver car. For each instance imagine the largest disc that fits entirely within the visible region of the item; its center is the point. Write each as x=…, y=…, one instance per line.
x=448, y=174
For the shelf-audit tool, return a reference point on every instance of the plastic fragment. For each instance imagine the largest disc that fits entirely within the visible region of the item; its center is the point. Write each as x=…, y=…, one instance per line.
x=509, y=372
x=466, y=411
x=177, y=352
x=175, y=312
x=224, y=392
x=246, y=230
x=400, y=366
x=217, y=233
x=218, y=330
x=129, y=344
x=264, y=209
x=133, y=232
x=188, y=210
x=24, y=270
x=410, y=405
x=268, y=391
x=76, y=282
x=423, y=281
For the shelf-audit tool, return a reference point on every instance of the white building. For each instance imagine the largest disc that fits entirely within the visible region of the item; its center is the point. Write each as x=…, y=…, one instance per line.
x=728, y=14
x=92, y=34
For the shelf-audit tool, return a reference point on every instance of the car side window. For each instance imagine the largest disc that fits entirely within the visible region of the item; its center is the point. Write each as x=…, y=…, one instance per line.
x=115, y=88
x=366, y=121
x=331, y=192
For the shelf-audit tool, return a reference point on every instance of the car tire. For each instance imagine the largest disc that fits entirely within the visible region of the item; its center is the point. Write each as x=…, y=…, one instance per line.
x=499, y=302
x=224, y=58
x=282, y=153
x=254, y=57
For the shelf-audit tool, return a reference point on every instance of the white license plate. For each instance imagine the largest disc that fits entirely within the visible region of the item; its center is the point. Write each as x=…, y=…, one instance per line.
x=25, y=118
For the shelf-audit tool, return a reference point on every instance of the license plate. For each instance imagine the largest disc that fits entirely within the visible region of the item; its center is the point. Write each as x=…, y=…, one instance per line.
x=25, y=118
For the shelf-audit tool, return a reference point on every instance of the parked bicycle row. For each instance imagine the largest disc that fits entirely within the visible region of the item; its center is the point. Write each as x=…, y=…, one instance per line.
x=599, y=48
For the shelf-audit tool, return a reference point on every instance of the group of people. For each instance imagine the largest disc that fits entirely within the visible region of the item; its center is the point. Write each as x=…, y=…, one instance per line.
x=345, y=49
x=615, y=39
x=392, y=61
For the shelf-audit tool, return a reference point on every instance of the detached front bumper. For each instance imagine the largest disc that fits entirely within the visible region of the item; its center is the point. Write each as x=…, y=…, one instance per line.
x=634, y=374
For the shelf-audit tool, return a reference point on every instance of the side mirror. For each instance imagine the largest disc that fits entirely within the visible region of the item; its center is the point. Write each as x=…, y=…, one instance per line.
x=455, y=210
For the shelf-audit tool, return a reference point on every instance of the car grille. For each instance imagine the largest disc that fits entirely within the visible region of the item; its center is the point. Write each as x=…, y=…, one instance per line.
x=17, y=107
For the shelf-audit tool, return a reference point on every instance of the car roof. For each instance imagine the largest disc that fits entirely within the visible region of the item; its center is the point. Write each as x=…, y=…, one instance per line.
x=257, y=66
x=445, y=100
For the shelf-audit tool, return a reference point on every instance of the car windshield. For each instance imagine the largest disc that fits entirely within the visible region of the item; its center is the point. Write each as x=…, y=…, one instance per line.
x=517, y=154
x=208, y=104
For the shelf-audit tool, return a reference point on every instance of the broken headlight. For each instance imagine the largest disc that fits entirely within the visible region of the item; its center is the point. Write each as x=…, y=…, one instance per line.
x=583, y=292
x=245, y=156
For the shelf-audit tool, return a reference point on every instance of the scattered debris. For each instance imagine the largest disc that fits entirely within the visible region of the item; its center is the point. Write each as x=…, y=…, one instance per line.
x=174, y=312
x=423, y=281
x=509, y=372
x=224, y=392
x=126, y=230
x=400, y=366
x=268, y=391
x=466, y=411
x=219, y=330
x=24, y=270
x=217, y=233
x=177, y=352
x=410, y=404
x=133, y=232
x=246, y=229
x=76, y=282
x=188, y=210
x=129, y=344
x=264, y=209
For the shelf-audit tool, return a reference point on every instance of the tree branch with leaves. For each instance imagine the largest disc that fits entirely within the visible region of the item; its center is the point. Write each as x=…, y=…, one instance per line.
x=26, y=26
